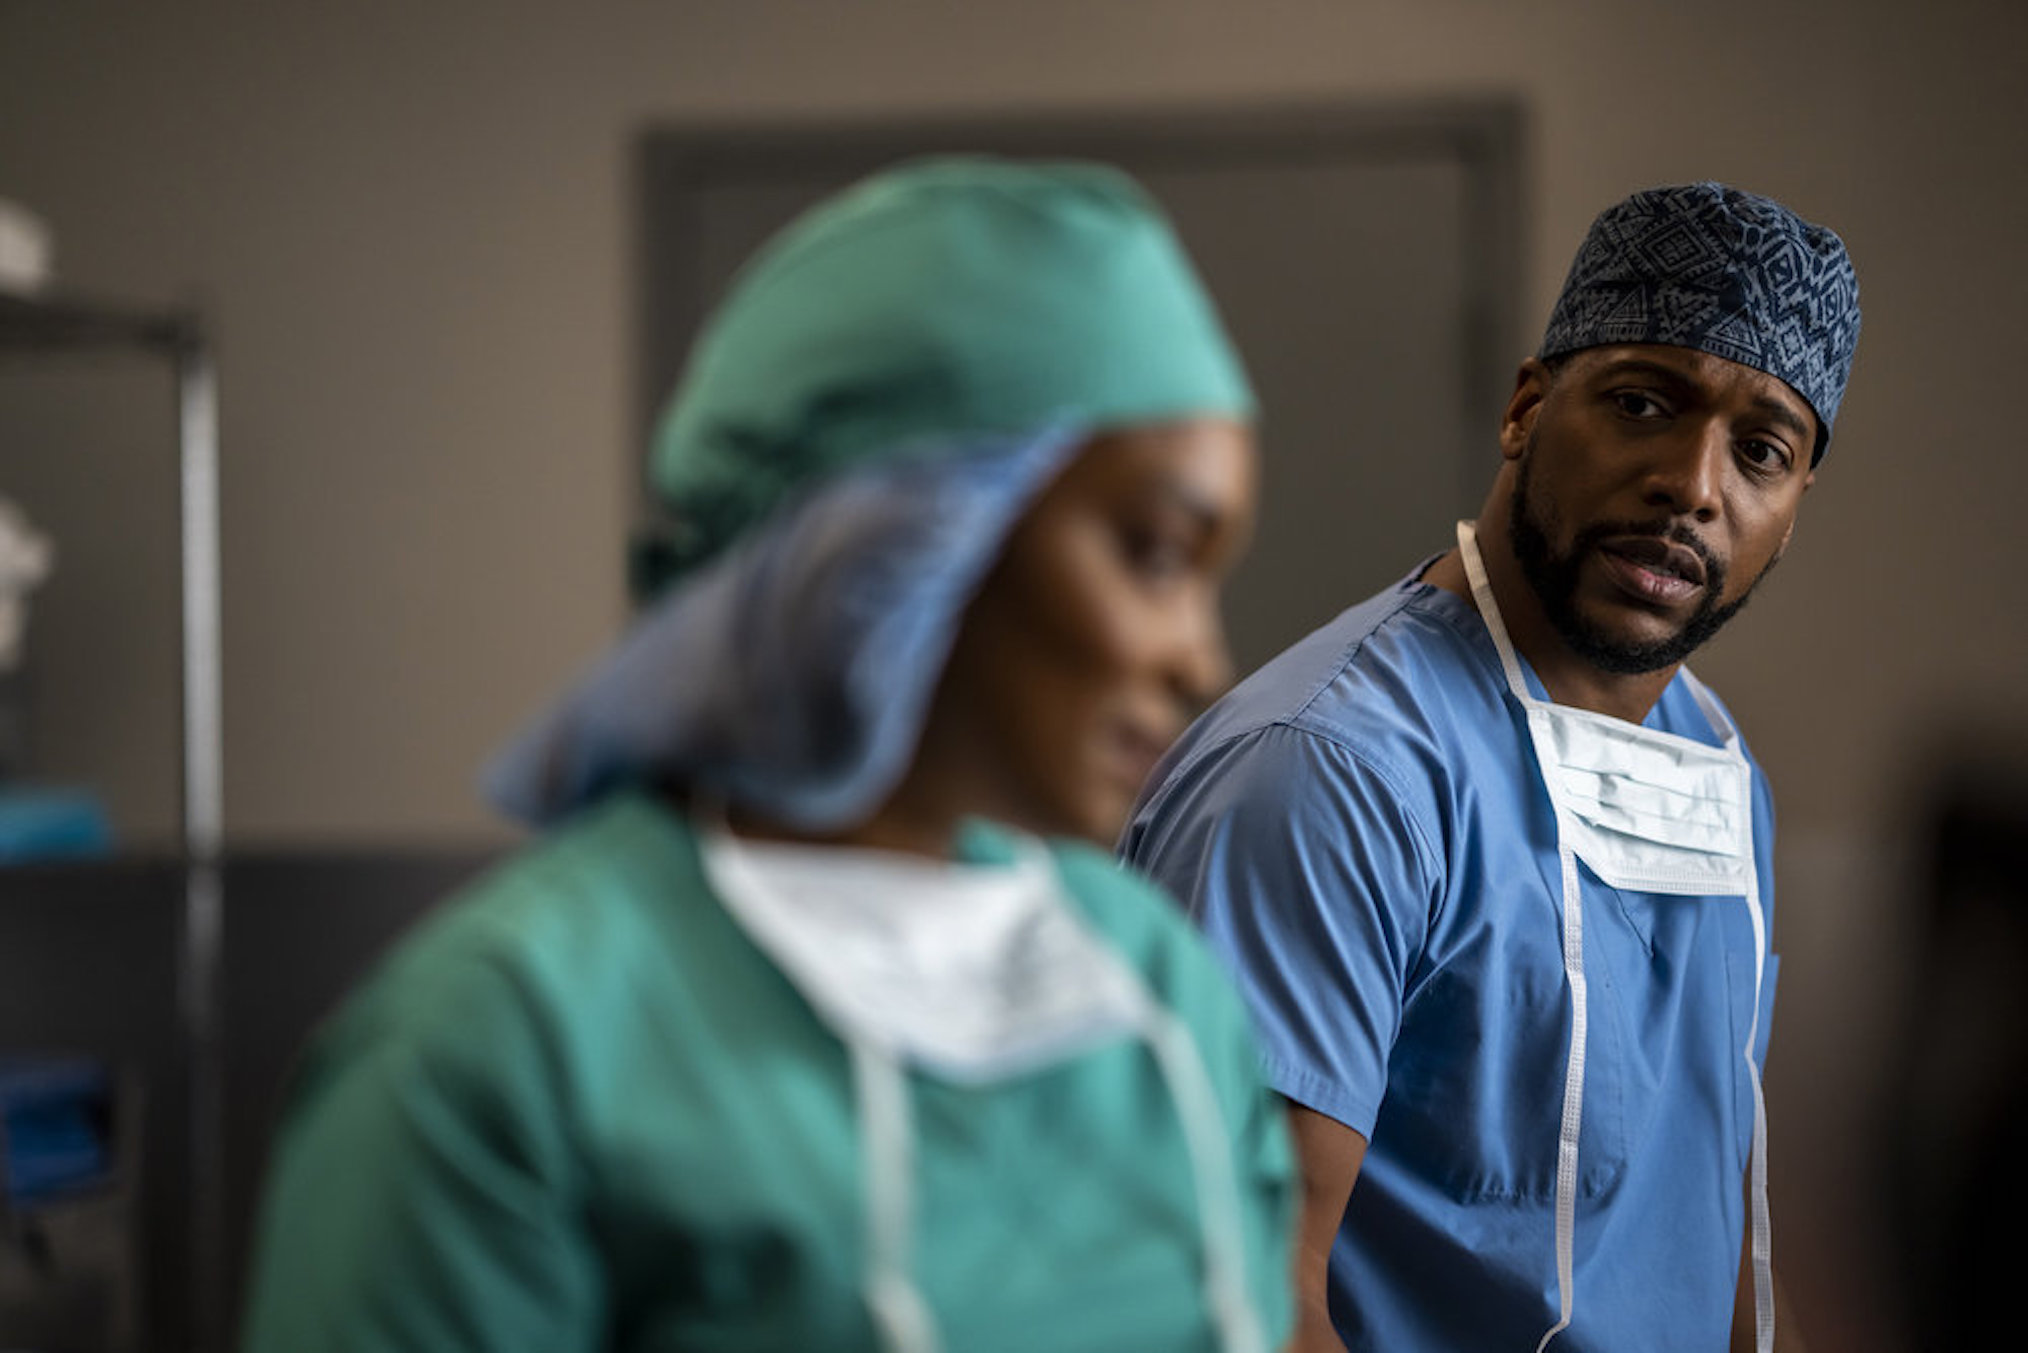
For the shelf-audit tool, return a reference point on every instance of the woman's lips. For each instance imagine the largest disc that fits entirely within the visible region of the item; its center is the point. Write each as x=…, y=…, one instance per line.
x=1134, y=751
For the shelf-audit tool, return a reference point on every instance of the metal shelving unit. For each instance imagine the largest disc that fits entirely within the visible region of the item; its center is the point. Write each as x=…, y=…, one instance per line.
x=43, y=324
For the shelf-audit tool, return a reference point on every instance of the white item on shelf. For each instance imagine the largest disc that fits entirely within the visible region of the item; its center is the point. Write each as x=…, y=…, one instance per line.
x=25, y=248
x=25, y=558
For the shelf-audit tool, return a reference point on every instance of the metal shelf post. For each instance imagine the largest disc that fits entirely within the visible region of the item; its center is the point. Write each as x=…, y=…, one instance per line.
x=42, y=325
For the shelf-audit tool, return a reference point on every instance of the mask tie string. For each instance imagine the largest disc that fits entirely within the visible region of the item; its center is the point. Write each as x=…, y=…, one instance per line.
x=887, y=1148
x=1572, y=909
x=1573, y=959
x=1209, y=1144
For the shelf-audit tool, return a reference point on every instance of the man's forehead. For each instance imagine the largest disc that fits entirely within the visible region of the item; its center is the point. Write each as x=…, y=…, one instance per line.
x=1694, y=366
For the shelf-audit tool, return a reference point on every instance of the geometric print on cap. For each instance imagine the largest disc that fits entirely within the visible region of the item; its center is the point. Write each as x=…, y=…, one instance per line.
x=1710, y=267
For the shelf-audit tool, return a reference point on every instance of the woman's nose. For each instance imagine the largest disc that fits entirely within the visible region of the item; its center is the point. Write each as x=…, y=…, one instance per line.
x=1203, y=660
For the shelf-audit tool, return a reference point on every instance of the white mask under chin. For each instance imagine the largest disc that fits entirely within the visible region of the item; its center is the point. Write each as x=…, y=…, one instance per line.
x=972, y=973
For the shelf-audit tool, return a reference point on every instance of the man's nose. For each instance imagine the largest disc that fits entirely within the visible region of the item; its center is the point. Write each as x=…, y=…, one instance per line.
x=1687, y=475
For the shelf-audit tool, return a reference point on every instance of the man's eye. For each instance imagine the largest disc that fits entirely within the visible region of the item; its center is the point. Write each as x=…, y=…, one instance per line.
x=1763, y=454
x=1638, y=404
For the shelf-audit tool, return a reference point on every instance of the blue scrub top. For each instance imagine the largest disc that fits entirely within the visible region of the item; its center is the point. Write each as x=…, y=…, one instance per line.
x=1362, y=831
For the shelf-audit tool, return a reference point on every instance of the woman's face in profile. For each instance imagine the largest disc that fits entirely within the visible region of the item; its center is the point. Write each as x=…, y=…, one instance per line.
x=1097, y=636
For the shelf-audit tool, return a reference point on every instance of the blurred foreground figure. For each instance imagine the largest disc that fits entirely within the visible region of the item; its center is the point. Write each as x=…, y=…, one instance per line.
x=1495, y=869
x=794, y=1032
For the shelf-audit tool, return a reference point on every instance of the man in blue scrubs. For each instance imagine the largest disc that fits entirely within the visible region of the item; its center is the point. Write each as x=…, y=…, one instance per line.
x=1495, y=870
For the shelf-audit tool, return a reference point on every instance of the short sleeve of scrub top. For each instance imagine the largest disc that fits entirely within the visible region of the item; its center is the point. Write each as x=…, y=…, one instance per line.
x=1304, y=867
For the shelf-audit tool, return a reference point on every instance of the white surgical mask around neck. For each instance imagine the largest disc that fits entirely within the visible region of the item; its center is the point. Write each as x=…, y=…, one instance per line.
x=972, y=973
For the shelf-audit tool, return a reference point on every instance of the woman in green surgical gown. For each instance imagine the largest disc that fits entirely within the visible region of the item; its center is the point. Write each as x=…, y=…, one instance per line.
x=808, y=1022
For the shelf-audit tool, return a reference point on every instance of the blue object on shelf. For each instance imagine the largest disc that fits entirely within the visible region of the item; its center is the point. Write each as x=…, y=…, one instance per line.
x=56, y=1129
x=40, y=823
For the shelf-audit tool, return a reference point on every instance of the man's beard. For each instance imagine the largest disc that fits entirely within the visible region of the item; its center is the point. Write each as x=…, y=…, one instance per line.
x=1554, y=578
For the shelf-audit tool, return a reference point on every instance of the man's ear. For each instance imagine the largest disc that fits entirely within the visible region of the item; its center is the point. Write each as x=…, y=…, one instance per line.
x=1531, y=385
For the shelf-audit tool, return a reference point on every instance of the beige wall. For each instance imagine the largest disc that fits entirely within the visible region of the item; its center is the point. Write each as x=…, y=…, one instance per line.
x=409, y=223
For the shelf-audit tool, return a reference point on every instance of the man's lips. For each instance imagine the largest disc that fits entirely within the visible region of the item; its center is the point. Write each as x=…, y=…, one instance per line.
x=1658, y=555
x=1654, y=569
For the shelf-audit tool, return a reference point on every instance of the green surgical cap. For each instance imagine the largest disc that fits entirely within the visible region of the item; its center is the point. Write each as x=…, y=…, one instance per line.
x=937, y=302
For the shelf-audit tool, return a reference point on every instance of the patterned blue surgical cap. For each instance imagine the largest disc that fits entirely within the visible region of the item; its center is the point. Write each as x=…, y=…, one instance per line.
x=1710, y=267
